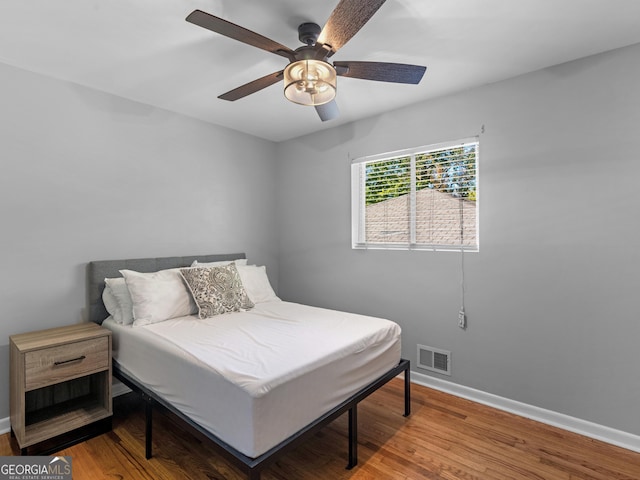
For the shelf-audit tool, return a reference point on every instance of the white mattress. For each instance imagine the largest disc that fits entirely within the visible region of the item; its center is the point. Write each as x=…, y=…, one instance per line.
x=255, y=378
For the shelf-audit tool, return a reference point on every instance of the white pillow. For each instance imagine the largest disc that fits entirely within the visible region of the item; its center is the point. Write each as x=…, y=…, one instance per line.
x=158, y=296
x=239, y=261
x=118, y=289
x=256, y=283
x=110, y=302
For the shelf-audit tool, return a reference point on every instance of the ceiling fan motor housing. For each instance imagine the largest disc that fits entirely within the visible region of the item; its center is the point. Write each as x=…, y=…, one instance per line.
x=309, y=32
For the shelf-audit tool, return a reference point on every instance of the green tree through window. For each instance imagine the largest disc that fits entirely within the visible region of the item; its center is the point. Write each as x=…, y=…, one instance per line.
x=388, y=179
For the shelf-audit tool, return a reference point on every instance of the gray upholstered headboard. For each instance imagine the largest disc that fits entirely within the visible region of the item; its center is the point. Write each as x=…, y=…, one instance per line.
x=97, y=271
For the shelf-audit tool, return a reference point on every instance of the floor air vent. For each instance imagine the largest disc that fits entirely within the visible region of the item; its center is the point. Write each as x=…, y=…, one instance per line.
x=434, y=359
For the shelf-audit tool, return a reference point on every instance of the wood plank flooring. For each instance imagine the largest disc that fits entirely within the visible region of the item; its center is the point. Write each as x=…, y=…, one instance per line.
x=445, y=438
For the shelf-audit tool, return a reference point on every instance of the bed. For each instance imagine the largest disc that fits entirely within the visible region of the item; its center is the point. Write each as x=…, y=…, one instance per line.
x=255, y=381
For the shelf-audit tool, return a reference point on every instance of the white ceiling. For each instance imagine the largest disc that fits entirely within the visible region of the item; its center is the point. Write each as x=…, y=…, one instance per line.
x=145, y=51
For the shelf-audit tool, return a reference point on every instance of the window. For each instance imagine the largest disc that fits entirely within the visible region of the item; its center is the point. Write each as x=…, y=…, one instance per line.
x=424, y=198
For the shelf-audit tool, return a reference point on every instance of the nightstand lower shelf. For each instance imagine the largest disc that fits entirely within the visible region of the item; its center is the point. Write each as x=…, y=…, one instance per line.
x=60, y=442
x=63, y=418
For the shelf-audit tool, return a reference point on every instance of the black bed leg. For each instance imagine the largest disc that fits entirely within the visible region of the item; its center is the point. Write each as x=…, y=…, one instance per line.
x=407, y=392
x=353, y=437
x=148, y=409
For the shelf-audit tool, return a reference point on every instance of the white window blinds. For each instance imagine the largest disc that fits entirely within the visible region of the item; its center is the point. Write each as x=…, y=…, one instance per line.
x=423, y=198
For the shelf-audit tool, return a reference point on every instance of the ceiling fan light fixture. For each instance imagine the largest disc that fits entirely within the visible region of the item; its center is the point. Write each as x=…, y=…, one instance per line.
x=310, y=82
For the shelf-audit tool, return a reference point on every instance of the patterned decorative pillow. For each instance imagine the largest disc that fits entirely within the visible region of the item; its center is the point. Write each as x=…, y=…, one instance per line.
x=216, y=290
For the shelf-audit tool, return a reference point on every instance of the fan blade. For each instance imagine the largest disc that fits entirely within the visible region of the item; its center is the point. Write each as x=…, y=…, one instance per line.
x=346, y=20
x=328, y=111
x=252, y=87
x=231, y=30
x=381, y=71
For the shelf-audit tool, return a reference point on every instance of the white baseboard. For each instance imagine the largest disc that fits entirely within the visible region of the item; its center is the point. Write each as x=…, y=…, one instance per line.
x=118, y=388
x=572, y=424
x=5, y=425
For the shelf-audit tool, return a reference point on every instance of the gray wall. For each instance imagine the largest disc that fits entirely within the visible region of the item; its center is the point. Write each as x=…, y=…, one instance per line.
x=552, y=321
x=89, y=176
x=551, y=295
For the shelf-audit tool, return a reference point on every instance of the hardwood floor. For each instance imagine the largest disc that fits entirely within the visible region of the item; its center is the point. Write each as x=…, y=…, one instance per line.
x=445, y=438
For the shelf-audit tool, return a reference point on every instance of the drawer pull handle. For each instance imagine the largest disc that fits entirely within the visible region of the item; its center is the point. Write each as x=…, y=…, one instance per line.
x=62, y=362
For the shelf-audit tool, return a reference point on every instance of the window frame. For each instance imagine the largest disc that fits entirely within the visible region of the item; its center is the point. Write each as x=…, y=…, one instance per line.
x=358, y=201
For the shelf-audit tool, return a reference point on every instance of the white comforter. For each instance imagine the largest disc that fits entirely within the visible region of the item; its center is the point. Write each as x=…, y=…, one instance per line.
x=274, y=342
x=255, y=378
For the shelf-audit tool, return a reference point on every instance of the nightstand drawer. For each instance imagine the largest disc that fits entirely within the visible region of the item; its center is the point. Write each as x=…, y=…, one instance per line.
x=52, y=365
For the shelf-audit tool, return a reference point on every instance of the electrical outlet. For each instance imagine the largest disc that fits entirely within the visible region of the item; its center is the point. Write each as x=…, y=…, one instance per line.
x=462, y=320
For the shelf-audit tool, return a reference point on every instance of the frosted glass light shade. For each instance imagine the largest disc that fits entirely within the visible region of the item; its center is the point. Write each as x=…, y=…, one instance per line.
x=310, y=82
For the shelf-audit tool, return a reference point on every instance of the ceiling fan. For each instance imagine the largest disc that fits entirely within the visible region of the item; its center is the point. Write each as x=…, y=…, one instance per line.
x=309, y=78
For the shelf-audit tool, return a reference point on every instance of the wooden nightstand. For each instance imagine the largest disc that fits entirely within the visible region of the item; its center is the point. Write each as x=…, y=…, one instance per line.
x=60, y=382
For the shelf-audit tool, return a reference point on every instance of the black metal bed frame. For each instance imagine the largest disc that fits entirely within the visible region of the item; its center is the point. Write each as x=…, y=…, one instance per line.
x=97, y=271
x=254, y=466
